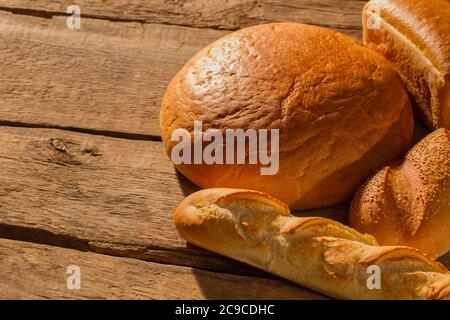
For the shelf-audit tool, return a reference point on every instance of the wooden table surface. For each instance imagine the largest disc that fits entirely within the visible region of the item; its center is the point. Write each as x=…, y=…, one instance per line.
x=84, y=179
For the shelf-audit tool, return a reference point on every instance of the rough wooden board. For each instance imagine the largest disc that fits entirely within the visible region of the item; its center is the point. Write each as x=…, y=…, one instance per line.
x=31, y=271
x=109, y=76
x=343, y=15
x=97, y=193
x=94, y=193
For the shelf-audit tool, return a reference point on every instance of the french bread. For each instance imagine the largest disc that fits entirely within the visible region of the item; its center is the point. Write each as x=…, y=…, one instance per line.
x=414, y=36
x=408, y=202
x=314, y=252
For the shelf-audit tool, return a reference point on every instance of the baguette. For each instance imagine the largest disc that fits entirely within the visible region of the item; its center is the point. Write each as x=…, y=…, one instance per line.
x=408, y=202
x=314, y=252
x=414, y=36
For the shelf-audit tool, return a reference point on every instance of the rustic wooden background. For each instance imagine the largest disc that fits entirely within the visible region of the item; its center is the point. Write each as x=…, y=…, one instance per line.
x=83, y=176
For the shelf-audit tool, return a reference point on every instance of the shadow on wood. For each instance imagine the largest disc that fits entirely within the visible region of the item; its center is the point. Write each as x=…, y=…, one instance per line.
x=273, y=289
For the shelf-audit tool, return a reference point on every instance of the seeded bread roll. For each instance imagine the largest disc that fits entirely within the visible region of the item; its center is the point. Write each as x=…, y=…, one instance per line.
x=317, y=253
x=408, y=202
x=341, y=109
x=414, y=36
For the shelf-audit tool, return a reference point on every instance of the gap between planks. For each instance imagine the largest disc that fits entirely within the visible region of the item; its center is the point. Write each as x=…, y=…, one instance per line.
x=112, y=134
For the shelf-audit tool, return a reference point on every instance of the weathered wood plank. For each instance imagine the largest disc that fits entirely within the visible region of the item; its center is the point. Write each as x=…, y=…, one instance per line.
x=31, y=271
x=107, y=77
x=103, y=194
x=344, y=15
x=95, y=193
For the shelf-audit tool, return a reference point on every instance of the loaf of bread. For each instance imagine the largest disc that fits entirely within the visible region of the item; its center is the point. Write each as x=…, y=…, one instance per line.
x=317, y=253
x=408, y=202
x=342, y=111
x=414, y=36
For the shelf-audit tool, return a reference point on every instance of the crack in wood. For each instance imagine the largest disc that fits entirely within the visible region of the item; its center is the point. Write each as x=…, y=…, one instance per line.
x=111, y=134
x=229, y=18
x=186, y=257
x=51, y=14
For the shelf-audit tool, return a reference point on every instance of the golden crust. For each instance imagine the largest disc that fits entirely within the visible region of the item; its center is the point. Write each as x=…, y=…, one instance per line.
x=408, y=203
x=414, y=37
x=322, y=89
x=315, y=252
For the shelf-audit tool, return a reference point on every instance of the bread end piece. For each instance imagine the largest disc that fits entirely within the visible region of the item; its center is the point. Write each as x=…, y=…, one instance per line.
x=413, y=36
x=195, y=216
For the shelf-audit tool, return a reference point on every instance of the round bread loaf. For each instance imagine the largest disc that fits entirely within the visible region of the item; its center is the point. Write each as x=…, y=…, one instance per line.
x=341, y=110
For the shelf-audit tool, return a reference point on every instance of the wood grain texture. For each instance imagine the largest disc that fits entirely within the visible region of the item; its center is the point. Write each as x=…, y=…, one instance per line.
x=111, y=76
x=31, y=271
x=106, y=77
x=94, y=193
x=343, y=15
